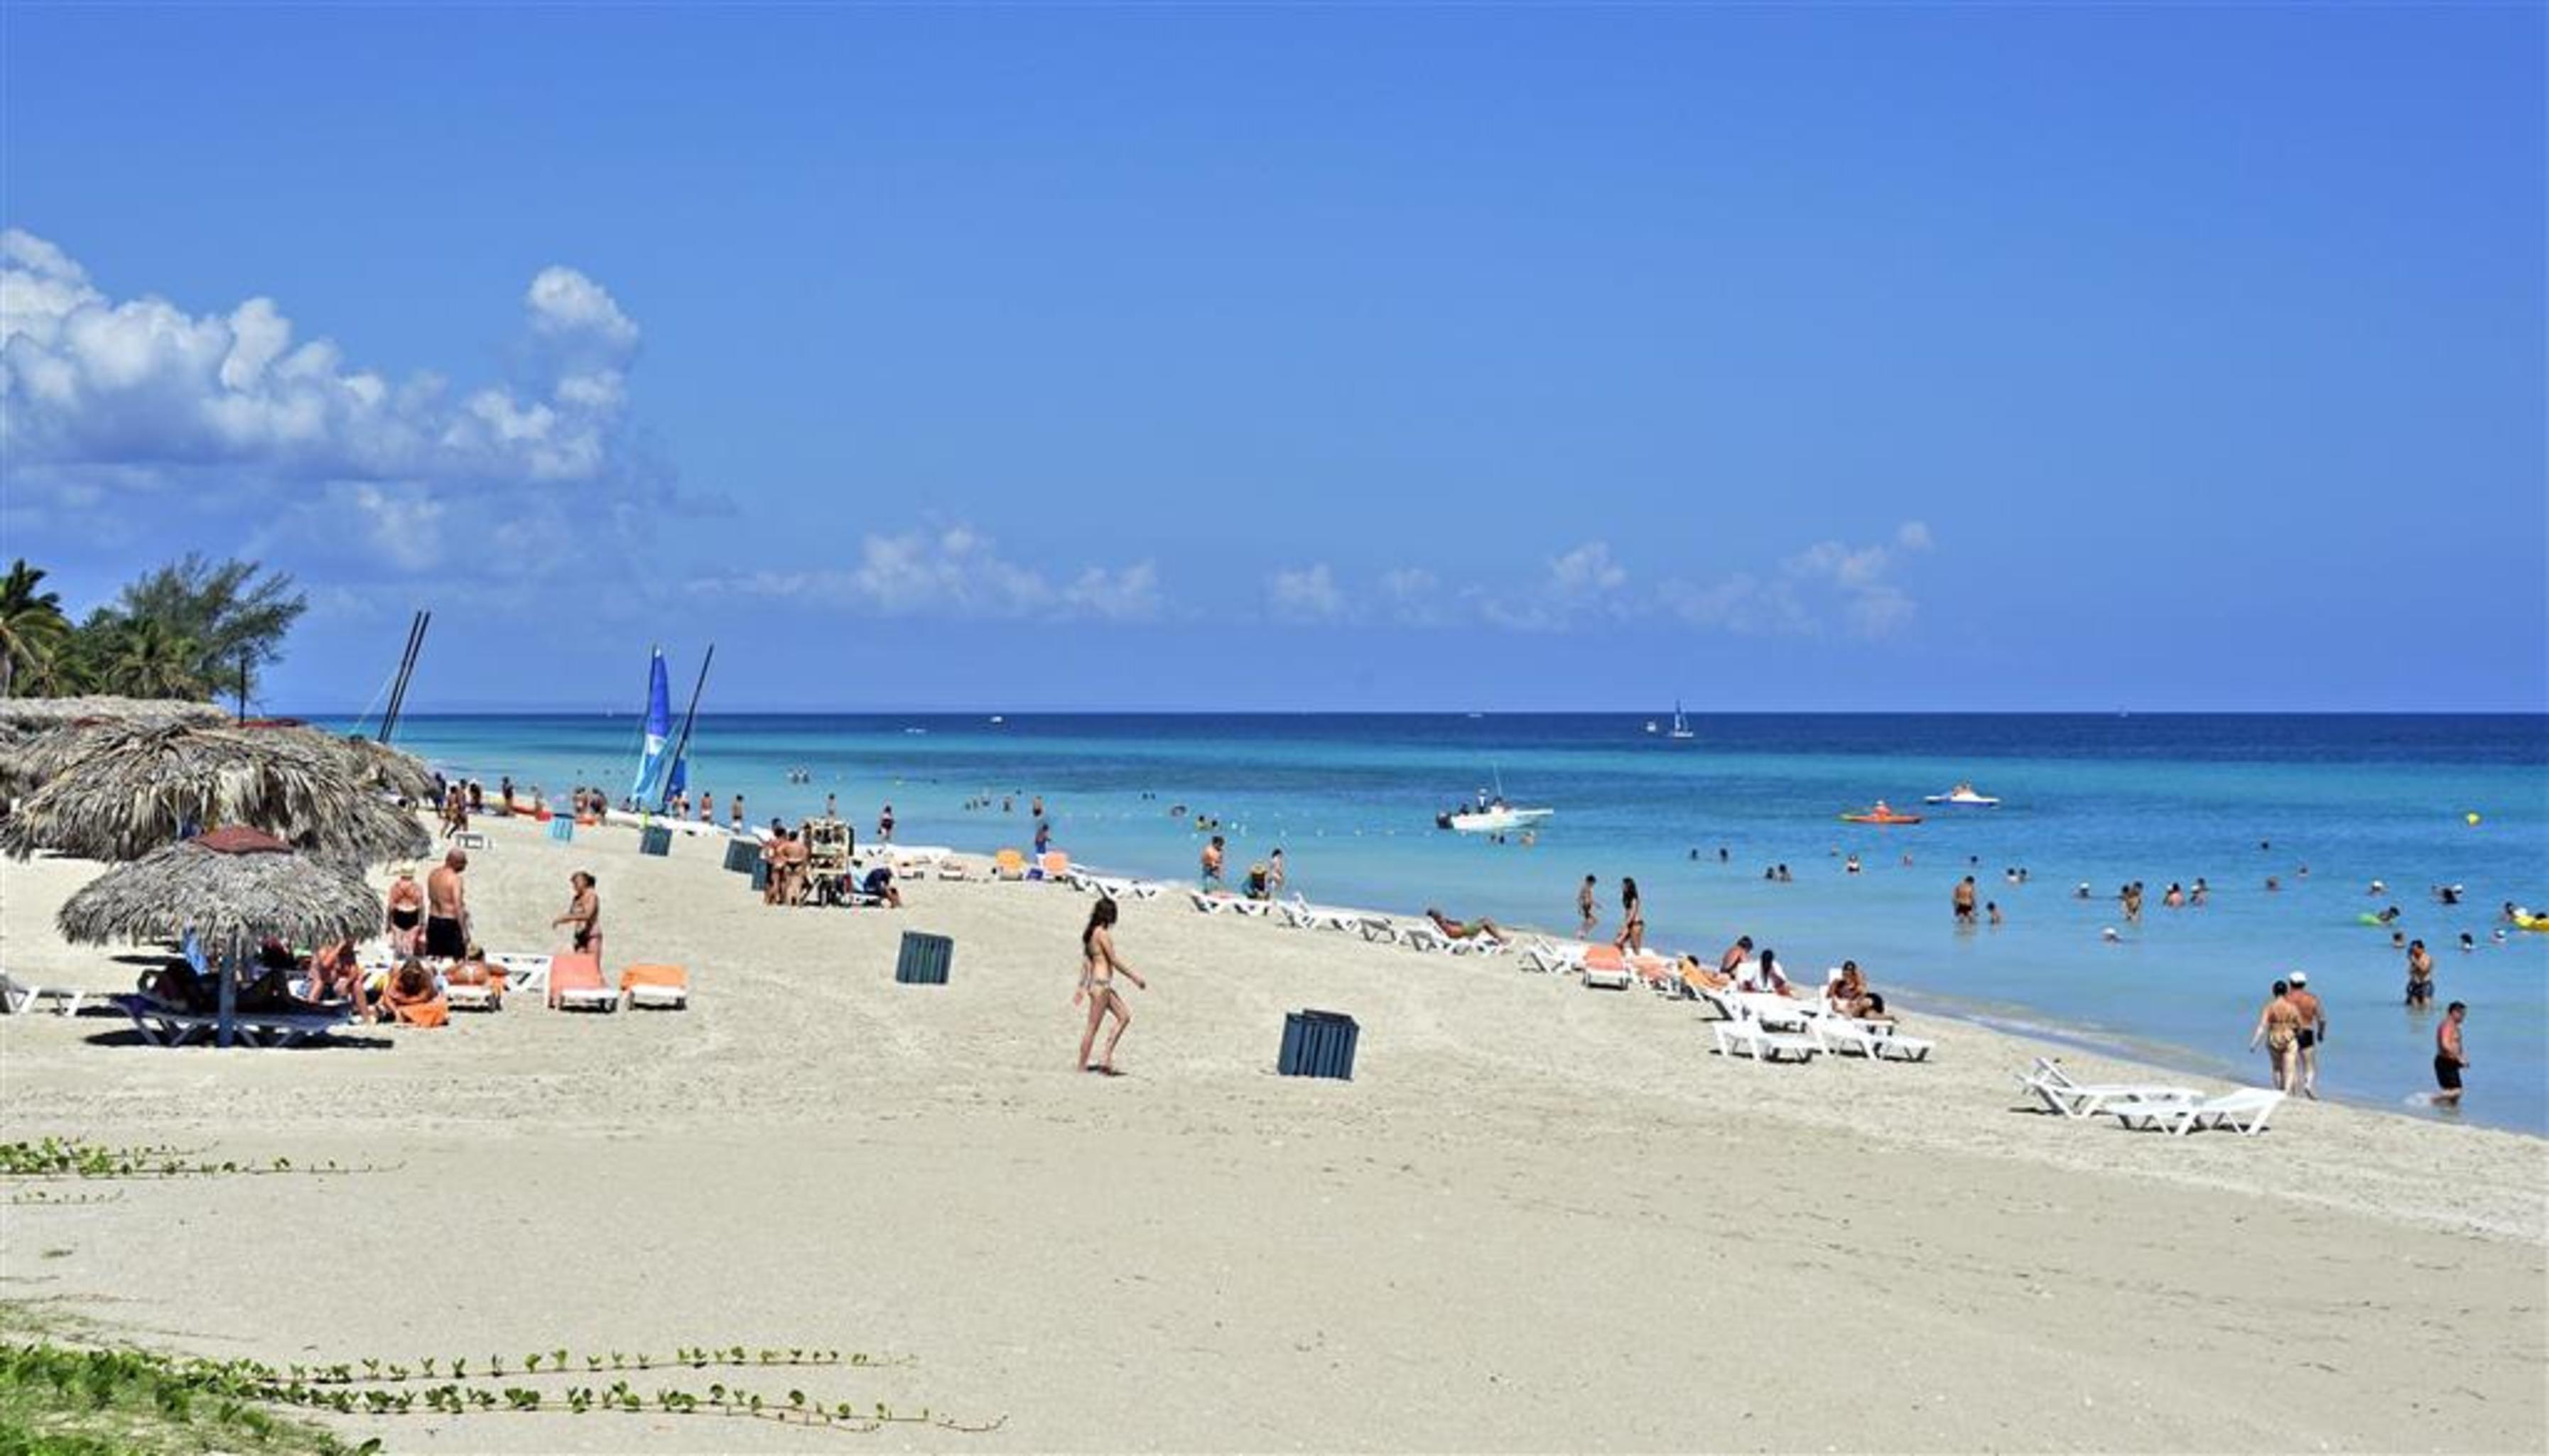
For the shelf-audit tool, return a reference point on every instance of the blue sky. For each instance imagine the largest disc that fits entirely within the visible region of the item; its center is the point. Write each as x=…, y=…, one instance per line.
x=1968, y=357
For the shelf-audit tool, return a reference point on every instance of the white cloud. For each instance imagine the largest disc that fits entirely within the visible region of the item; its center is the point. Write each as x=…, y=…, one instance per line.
x=1859, y=579
x=1309, y=594
x=1414, y=596
x=1585, y=583
x=87, y=381
x=953, y=573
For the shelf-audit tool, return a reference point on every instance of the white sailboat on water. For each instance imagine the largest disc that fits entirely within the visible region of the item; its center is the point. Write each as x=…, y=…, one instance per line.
x=1680, y=724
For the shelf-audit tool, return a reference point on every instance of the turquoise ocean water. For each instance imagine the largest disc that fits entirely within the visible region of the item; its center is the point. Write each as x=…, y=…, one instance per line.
x=2100, y=799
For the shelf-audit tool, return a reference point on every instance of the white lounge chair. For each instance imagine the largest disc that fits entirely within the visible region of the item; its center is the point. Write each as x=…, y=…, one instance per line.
x=1378, y=928
x=2054, y=1087
x=524, y=975
x=2244, y=1112
x=17, y=998
x=1552, y=957
x=1778, y=1013
x=1305, y=916
x=1604, y=968
x=1420, y=935
x=1753, y=1039
x=466, y=996
x=1212, y=902
x=1876, y=1040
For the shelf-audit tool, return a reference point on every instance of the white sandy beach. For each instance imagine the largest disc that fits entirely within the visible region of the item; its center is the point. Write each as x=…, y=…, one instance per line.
x=1541, y=1218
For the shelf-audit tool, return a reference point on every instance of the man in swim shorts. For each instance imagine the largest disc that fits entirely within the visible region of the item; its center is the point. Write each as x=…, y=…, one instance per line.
x=446, y=909
x=2449, y=1058
x=2313, y=1030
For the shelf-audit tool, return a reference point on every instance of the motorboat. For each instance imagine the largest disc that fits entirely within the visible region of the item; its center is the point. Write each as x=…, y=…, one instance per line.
x=1490, y=814
x=1880, y=813
x=1651, y=726
x=1492, y=819
x=1964, y=797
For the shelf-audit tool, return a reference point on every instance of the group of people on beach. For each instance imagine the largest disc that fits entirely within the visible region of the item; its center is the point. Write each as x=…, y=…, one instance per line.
x=1632, y=936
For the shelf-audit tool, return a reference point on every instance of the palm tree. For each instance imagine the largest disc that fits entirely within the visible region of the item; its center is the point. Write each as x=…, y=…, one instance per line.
x=148, y=659
x=32, y=625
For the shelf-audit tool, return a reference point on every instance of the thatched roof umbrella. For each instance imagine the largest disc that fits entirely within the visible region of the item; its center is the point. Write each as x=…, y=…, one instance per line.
x=229, y=887
x=39, y=736
x=394, y=770
x=131, y=790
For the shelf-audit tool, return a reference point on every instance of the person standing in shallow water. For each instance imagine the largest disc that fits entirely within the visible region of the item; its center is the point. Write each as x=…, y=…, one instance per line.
x=1586, y=911
x=2449, y=1055
x=1963, y=900
x=1099, y=969
x=2279, y=1027
x=2420, y=975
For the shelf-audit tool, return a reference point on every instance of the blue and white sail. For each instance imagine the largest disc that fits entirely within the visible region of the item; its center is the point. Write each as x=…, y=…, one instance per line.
x=659, y=732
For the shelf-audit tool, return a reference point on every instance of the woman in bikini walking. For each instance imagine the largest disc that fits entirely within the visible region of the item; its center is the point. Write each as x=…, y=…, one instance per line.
x=1098, y=968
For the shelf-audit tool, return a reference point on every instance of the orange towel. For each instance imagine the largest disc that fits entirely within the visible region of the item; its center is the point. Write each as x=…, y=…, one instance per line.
x=434, y=1013
x=569, y=971
x=654, y=976
x=1604, y=957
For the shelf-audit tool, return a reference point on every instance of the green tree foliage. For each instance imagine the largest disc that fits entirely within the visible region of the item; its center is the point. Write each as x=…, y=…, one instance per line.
x=183, y=630
x=231, y=614
x=33, y=629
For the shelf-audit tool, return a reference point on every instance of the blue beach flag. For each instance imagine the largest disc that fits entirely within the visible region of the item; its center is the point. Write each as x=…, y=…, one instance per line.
x=659, y=731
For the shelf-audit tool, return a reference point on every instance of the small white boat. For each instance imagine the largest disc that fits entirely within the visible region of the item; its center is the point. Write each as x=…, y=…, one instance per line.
x=998, y=720
x=1651, y=726
x=1495, y=819
x=1963, y=795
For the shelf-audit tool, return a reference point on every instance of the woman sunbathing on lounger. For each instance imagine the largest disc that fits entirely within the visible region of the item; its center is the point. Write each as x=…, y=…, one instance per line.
x=1698, y=972
x=1466, y=930
x=1099, y=969
x=1848, y=995
x=413, y=996
x=472, y=969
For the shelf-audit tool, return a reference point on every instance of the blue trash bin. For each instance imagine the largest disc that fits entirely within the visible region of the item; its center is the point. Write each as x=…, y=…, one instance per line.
x=741, y=854
x=925, y=959
x=1318, y=1044
x=656, y=840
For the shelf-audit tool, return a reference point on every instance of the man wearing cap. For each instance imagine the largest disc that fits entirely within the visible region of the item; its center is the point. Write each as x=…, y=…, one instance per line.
x=2313, y=1030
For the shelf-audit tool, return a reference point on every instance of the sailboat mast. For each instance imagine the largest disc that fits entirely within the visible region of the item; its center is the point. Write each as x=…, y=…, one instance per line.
x=682, y=745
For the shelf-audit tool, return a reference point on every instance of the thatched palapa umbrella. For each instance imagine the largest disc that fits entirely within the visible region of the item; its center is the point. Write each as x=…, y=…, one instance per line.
x=39, y=736
x=229, y=887
x=394, y=770
x=131, y=790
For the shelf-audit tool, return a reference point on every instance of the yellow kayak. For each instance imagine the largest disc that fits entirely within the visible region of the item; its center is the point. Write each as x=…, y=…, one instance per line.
x=2531, y=922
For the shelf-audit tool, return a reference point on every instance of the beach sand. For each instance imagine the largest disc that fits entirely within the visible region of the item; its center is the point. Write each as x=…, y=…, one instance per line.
x=1541, y=1218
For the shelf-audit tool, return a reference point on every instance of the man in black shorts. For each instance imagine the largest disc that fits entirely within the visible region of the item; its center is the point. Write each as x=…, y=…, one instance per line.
x=2448, y=1056
x=446, y=909
x=2313, y=1030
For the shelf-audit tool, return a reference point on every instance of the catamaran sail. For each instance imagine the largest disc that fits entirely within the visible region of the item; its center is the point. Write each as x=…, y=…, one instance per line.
x=659, y=732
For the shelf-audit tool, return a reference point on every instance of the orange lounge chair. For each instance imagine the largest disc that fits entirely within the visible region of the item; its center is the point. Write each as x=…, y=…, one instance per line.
x=1605, y=967
x=1008, y=864
x=1055, y=864
x=667, y=986
x=576, y=984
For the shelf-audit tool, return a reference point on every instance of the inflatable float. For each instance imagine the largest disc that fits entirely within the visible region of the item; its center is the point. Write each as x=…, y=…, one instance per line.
x=1880, y=813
